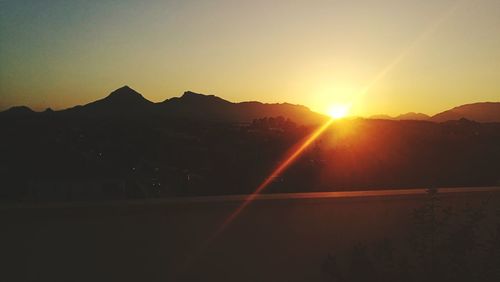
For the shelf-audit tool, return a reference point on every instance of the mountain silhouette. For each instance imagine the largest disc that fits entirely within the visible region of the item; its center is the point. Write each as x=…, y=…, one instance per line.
x=407, y=116
x=480, y=112
x=18, y=111
x=126, y=102
x=123, y=101
x=413, y=116
x=209, y=107
x=193, y=105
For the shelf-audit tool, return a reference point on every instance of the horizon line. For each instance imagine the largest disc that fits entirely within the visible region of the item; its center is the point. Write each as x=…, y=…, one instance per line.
x=41, y=110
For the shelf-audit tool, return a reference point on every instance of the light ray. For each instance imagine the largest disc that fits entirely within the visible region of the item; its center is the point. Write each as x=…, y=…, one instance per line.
x=276, y=172
x=424, y=36
x=297, y=152
x=288, y=160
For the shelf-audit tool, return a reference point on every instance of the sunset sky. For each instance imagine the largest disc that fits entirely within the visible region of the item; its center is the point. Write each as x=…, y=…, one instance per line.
x=379, y=56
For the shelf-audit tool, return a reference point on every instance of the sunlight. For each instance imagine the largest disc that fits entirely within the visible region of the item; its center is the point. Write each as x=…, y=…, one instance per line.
x=282, y=166
x=338, y=111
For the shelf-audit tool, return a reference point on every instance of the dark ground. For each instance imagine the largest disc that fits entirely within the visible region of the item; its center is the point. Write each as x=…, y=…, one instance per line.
x=272, y=240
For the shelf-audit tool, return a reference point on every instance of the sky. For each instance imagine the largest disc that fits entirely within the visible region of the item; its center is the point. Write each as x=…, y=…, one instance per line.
x=376, y=56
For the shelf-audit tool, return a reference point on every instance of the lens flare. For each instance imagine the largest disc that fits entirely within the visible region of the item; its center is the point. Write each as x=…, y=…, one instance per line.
x=287, y=161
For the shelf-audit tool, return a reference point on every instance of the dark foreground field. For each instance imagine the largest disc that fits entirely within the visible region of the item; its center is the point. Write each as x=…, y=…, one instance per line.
x=277, y=238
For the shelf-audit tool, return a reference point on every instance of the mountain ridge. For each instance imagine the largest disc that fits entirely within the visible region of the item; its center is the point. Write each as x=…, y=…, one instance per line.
x=127, y=102
x=406, y=116
x=480, y=112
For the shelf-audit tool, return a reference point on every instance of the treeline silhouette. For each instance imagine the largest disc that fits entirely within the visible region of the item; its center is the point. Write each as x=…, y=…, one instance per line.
x=50, y=157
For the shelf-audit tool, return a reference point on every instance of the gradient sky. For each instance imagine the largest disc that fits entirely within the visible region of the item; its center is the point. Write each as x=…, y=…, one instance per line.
x=381, y=56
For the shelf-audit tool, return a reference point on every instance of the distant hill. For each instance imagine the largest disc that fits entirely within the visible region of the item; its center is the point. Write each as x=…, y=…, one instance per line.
x=17, y=111
x=480, y=112
x=413, y=116
x=407, y=116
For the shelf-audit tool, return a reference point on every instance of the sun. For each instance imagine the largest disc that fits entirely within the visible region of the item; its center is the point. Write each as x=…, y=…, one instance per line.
x=338, y=111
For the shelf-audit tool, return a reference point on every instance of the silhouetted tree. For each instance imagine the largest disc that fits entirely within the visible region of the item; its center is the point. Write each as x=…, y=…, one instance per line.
x=442, y=245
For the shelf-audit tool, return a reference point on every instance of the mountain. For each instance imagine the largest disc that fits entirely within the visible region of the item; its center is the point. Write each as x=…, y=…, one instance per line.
x=18, y=111
x=480, y=112
x=209, y=107
x=407, y=116
x=413, y=116
x=124, y=101
x=193, y=105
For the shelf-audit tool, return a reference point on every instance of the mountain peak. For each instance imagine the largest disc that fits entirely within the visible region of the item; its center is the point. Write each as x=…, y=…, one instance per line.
x=125, y=91
x=19, y=110
x=194, y=95
x=125, y=96
x=190, y=96
x=123, y=101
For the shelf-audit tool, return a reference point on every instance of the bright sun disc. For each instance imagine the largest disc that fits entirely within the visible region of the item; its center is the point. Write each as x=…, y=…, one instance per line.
x=338, y=111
